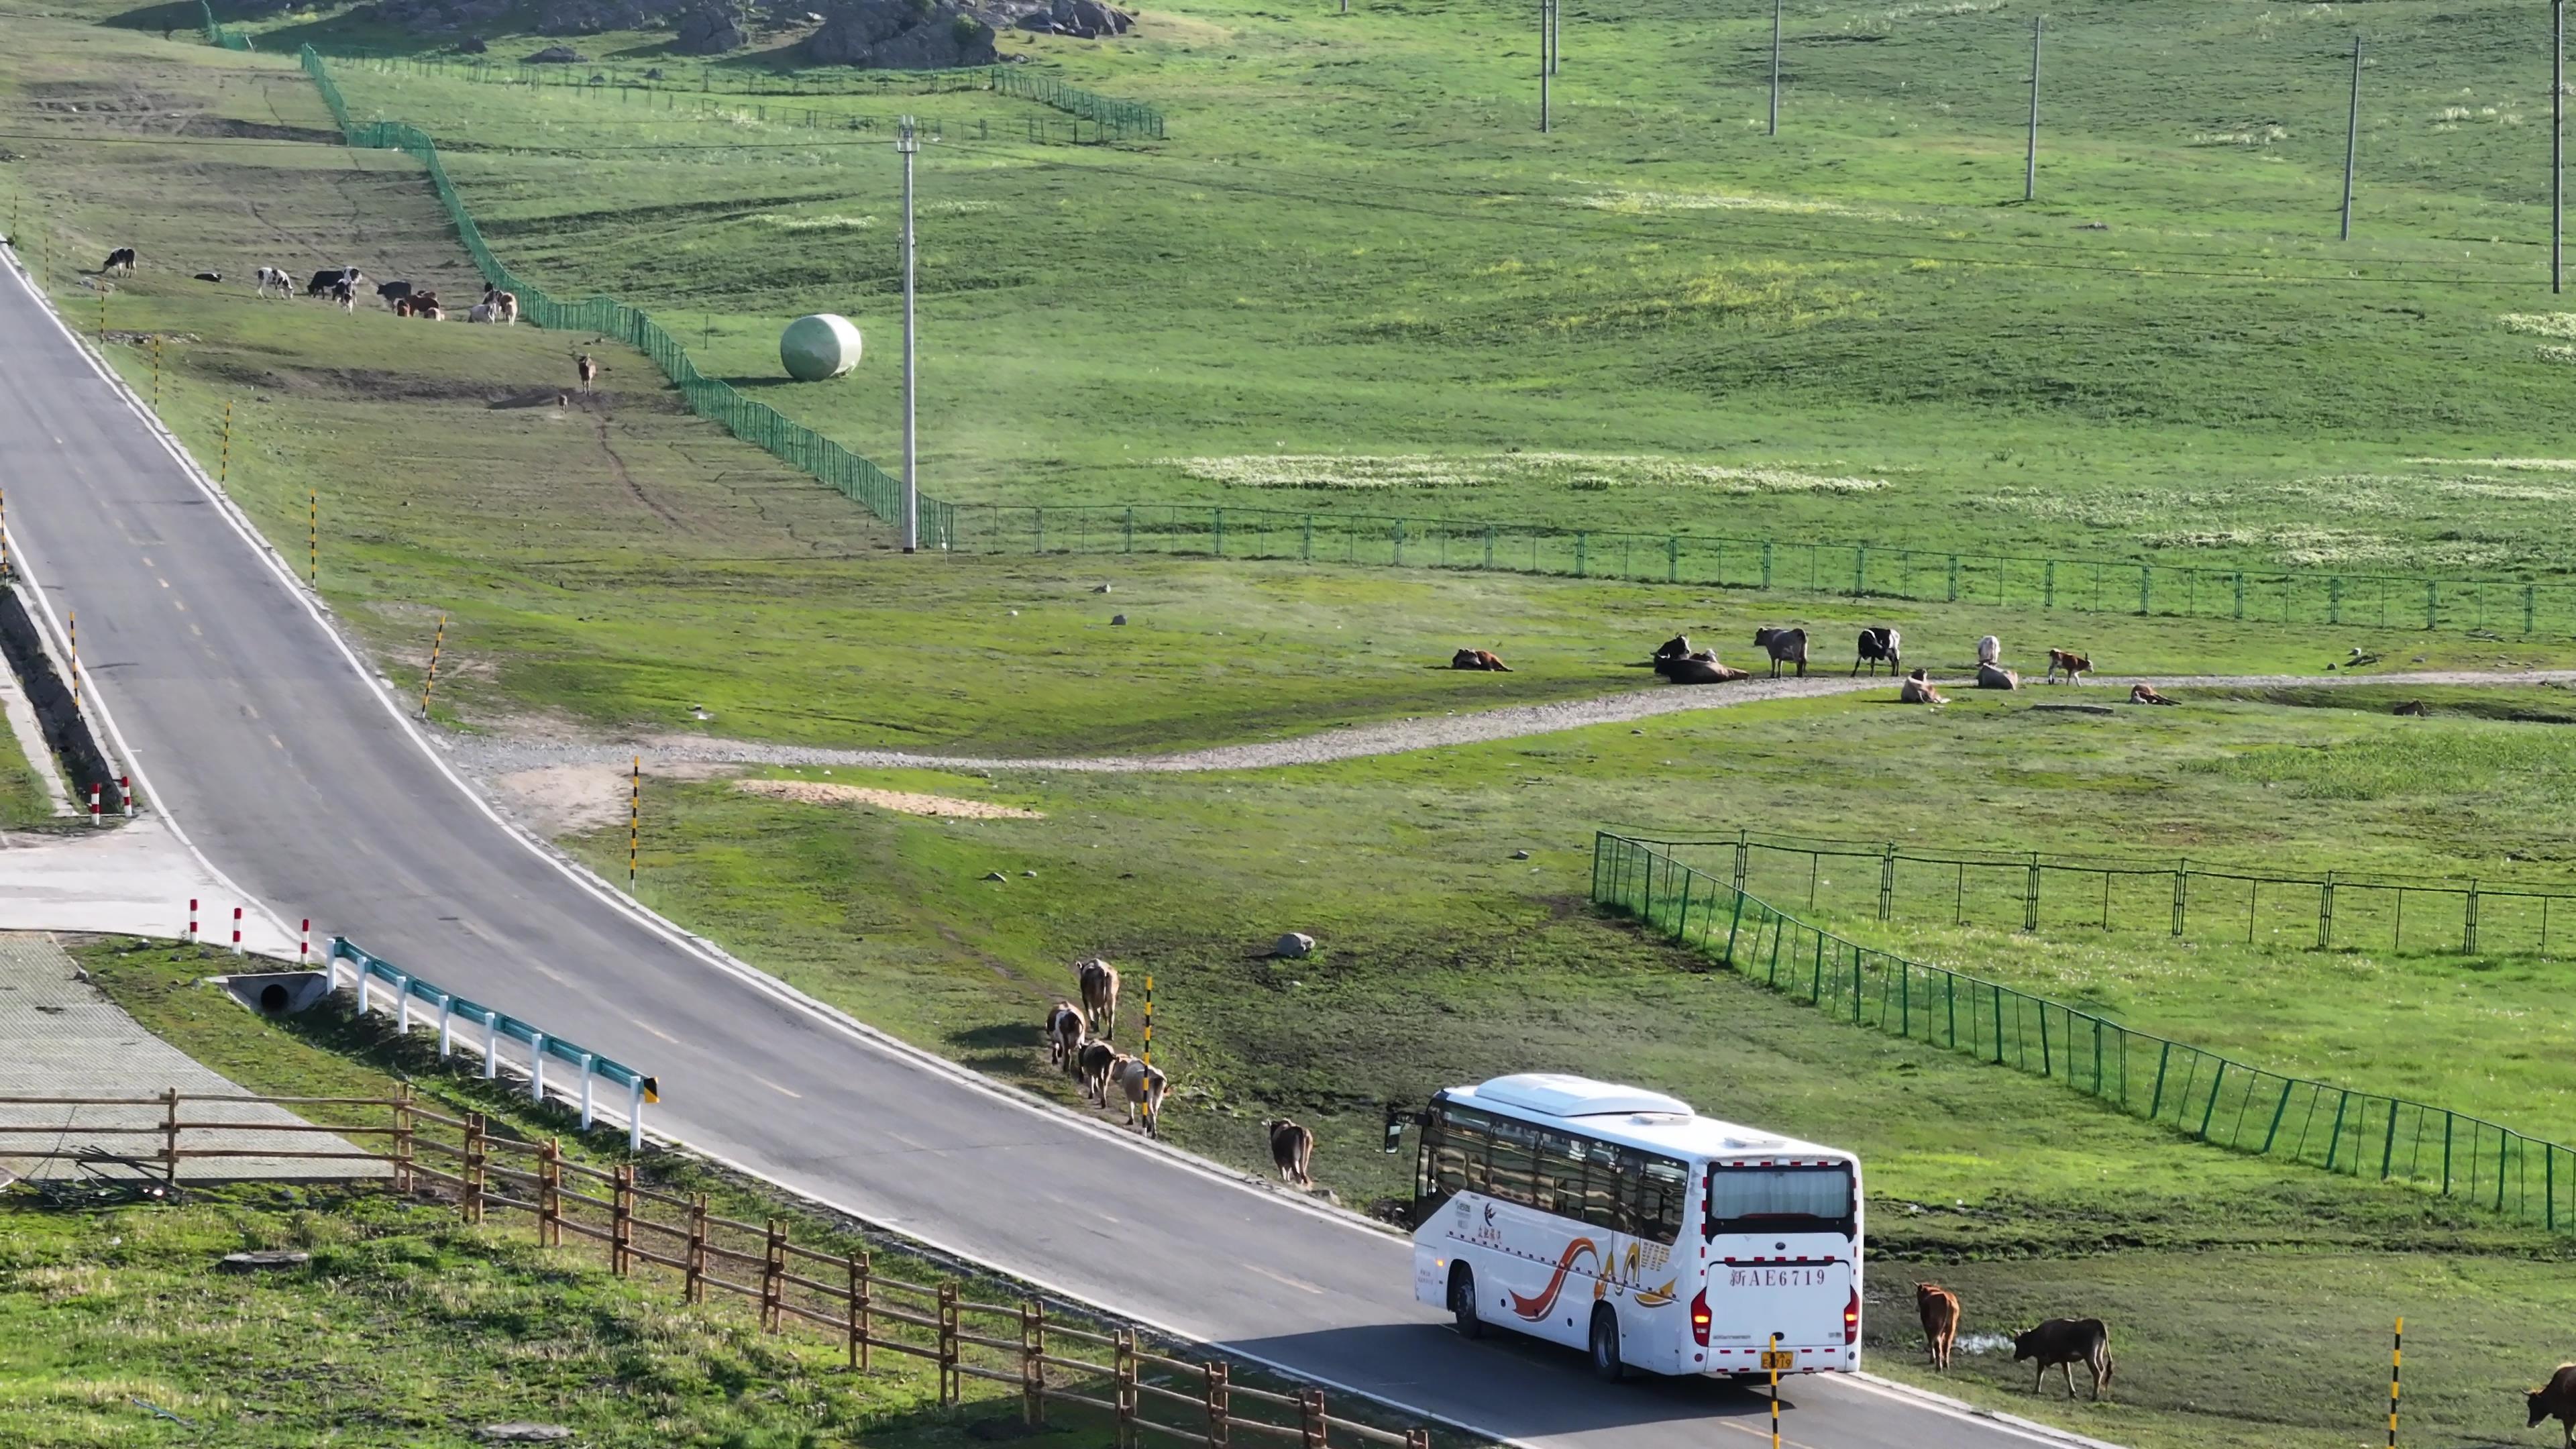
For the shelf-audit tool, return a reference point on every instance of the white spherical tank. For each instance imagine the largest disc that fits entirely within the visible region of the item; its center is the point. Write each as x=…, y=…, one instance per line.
x=821, y=346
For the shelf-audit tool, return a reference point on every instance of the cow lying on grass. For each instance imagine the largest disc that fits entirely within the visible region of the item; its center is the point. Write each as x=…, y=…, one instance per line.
x=1478, y=659
x=1919, y=690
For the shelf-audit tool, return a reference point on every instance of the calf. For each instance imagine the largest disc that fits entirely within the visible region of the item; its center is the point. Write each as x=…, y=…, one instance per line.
x=1878, y=646
x=345, y=295
x=1919, y=690
x=1939, y=1309
x=2062, y=1343
x=1099, y=982
x=1292, y=1151
x=504, y=305
x=1098, y=1064
x=2146, y=694
x=1478, y=659
x=120, y=262
x=275, y=279
x=1142, y=1083
x=2556, y=1399
x=2067, y=659
x=1064, y=1034
x=1785, y=646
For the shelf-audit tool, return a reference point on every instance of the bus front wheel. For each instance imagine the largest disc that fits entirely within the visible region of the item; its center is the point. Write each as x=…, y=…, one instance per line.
x=1606, y=1363
x=1462, y=1301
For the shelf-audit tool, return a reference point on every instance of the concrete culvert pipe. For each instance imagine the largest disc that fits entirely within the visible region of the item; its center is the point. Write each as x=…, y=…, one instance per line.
x=818, y=347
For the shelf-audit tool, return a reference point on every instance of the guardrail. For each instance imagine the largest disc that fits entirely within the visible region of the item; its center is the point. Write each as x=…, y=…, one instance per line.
x=366, y=969
x=2196, y=1092
x=2204, y=900
x=643, y=1230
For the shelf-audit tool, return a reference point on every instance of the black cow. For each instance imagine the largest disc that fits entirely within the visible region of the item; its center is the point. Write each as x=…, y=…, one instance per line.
x=2557, y=1398
x=329, y=277
x=391, y=292
x=1879, y=646
x=2062, y=1343
x=119, y=261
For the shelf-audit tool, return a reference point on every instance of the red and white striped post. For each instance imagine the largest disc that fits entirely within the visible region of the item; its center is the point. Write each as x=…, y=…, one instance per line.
x=237, y=950
x=304, y=947
x=93, y=804
x=125, y=787
x=192, y=920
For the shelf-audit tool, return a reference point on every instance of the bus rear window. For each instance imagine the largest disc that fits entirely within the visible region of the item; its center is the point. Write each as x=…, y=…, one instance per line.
x=1779, y=1199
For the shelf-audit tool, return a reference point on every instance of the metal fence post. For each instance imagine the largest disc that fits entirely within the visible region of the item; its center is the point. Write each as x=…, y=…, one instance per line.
x=1129, y=535
x=1766, y=563
x=2144, y=573
x=2048, y=584
x=1217, y=534
x=2030, y=895
x=2469, y=920
x=2182, y=881
x=2325, y=912
x=1308, y=553
x=1887, y=883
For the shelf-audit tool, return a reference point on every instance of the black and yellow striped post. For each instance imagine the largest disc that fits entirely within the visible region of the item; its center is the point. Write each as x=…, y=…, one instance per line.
x=634, y=820
x=2396, y=1361
x=1149, y=1018
x=156, y=374
x=224, y=467
x=437, y=646
x=1772, y=1360
x=71, y=618
x=312, y=538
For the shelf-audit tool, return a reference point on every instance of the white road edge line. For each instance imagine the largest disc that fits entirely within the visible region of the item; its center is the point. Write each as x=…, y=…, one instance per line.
x=715, y=955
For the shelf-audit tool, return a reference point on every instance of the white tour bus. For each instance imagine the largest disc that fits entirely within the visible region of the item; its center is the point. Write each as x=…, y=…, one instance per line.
x=1621, y=1221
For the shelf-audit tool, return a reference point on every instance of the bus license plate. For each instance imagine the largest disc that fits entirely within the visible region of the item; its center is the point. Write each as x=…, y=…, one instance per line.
x=1782, y=1358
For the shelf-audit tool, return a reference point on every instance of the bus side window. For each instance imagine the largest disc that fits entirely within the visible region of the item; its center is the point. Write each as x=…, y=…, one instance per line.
x=1560, y=1174
x=1515, y=1162
x=1601, y=1186
x=1631, y=1187
x=1455, y=1142
x=1659, y=1205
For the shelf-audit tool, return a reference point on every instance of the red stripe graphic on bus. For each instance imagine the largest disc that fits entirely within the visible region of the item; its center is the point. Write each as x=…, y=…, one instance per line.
x=1536, y=1308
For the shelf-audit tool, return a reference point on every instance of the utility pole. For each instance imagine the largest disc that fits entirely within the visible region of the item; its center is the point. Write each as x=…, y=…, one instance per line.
x=1555, y=34
x=2352, y=138
x=2030, y=159
x=2557, y=135
x=1775, y=67
x=907, y=142
x=1546, y=11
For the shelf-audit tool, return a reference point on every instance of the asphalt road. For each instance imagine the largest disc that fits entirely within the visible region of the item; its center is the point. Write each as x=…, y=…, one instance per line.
x=284, y=764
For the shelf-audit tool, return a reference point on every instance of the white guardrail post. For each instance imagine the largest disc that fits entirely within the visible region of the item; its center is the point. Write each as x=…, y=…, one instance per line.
x=491, y=1044
x=402, y=1004
x=537, y=1067
x=635, y=1115
x=446, y=1020
x=586, y=1059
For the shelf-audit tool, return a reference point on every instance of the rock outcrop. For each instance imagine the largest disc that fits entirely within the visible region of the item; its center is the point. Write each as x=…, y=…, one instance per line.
x=900, y=35
x=710, y=30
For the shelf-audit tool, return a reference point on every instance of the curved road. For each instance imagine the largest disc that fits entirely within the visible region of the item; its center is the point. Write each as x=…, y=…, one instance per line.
x=254, y=730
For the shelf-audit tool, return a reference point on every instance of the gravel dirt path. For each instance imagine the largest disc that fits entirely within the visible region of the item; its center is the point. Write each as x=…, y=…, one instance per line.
x=490, y=757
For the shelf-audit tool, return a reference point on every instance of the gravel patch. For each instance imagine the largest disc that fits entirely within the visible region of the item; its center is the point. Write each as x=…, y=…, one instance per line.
x=490, y=757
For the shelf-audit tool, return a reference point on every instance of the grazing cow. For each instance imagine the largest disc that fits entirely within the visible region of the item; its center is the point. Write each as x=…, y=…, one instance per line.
x=1878, y=646
x=2415, y=707
x=120, y=262
x=504, y=305
x=1099, y=1065
x=1478, y=659
x=422, y=300
x=429, y=314
x=1990, y=650
x=346, y=296
x=324, y=280
x=1995, y=676
x=1142, y=1085
x=1785, y=646
x=276, y=279
x=1919, y=690
x=2146, y=694
x=1064, y=1034
x=1677, y=647
x=482, y=312
x=2555, y=1399
x=1099, y=982
x=390, y=293
x=1292, y=1151
x=2062, y=1343
x=1700, y=668
x=588, y=369
x=1939, y=1309
x=2067, y=659
x=210, y=276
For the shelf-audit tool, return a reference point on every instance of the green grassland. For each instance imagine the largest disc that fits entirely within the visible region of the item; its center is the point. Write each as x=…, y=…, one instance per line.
x=23, y=801
x=1355, y=249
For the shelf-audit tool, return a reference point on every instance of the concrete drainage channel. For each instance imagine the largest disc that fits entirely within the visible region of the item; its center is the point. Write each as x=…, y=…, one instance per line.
x=61, y=721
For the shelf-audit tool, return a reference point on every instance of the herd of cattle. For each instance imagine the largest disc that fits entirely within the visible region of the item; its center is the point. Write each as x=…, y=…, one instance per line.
x=1678, y=661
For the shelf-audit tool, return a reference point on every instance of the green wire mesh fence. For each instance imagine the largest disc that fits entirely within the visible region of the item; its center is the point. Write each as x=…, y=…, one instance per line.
x=2202, y=901
x=712, y=398
x=2193, y=1091
x=221, y=35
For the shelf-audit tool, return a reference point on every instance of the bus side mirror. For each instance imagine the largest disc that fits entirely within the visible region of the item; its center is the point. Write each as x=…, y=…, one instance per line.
x=1396, y=1117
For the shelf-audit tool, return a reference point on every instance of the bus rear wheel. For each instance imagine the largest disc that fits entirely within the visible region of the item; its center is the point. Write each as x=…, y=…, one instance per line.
x=1462, y=1302
x=1607, y=1366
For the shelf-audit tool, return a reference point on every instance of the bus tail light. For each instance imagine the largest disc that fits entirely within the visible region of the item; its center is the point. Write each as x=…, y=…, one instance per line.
x=1699, y=1318
x=1851, y=1320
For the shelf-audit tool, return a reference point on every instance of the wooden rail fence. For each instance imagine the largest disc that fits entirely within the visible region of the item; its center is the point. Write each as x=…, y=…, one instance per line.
x=483, y=1167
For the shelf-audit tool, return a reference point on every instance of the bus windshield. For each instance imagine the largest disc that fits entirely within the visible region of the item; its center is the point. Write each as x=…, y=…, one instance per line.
x=1765, y=1199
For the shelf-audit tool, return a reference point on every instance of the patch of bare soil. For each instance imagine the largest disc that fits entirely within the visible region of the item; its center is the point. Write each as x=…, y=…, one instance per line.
x=816, y=792
x=227, y=127
x=560, y=800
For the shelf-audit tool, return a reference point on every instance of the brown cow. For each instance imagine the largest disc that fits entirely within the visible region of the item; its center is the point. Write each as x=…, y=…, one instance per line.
x=1100, y=1063
x=1142, y=1083
x=2556, y=1398
x=1478, y=659
x=2146, y=694
x=1292, y=1151
x=1700, y=667
x=1939, y=1309
x=1064, y=1034
x=588, y=369
x=2067, y=659
x=1099, y=982
x=2062, y=1343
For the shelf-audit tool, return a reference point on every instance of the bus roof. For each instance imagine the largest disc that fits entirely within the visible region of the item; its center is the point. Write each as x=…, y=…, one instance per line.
x=1634, y=1117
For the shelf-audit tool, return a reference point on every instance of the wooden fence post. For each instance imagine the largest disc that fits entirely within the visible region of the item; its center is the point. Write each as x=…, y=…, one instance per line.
x=403, y=1126
x=773, y=1275
x=621, y=1227
x=1220, y=1408
x=1032, y=1368
x=1122, y=1387
x=170, y=1134
x=1310, y=1418
x=948, y=1375
x=693, y=1289
x=858, y=1312
x=477, y=1151
x=549, y=1194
